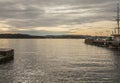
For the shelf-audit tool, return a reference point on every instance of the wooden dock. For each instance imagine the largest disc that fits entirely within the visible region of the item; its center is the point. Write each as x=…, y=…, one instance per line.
x=6, y=54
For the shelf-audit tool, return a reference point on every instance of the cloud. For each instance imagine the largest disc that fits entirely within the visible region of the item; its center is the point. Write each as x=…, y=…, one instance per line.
x=94, y=28
x=50, y=15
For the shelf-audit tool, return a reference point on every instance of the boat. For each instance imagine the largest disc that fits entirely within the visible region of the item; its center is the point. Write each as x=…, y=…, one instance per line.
x=116, y=34
x=111, y=42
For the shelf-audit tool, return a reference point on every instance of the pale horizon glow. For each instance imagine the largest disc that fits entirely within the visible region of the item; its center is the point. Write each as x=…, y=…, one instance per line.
x=94, y=28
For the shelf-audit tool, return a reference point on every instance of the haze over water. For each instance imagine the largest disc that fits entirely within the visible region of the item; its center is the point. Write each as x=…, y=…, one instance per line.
x=59, y=61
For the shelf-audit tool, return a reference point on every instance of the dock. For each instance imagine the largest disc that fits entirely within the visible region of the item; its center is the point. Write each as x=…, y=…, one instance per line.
x=95, y=42
x=103, y=43
x=111, y=42
x=6, y=54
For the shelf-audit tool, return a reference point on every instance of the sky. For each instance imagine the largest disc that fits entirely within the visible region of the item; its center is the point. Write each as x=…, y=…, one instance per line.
x=58, y=17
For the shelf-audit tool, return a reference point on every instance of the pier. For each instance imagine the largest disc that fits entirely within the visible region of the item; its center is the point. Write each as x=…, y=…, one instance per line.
x=103, y=43
x=6, y=54
x=113, y=41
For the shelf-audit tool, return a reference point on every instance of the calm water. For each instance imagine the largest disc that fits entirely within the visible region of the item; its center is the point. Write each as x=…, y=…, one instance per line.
x=59, y=61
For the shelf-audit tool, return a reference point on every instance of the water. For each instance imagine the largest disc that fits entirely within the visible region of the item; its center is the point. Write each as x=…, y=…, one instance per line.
x=59, y=61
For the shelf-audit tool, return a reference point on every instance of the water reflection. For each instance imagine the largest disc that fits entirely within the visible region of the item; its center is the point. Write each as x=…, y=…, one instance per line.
x=59, y=61
x=116, y=61
x=6, y=72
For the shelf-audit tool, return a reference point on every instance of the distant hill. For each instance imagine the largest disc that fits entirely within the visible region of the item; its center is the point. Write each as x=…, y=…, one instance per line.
x=67, y=36
x=19, y=36
x=27, y=36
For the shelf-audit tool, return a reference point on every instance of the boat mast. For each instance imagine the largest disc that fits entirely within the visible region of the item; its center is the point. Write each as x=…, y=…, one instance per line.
x=118, y=19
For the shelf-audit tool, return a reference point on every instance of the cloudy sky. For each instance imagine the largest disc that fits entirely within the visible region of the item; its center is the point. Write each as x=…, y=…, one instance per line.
x=53, y=17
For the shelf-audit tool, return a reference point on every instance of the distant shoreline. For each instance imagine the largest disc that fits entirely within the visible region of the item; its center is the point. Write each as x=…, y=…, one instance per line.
x=42, y=38
x=27, y=36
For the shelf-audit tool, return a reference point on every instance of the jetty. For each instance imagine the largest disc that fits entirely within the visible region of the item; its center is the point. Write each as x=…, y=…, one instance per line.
x=111, y=42
x=6, y=54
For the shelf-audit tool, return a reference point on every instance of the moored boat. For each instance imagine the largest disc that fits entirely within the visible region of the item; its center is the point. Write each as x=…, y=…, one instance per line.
x=110, y=42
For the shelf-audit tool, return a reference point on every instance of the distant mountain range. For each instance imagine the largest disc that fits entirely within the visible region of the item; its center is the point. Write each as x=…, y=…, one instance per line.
x=27, y=36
